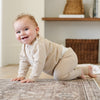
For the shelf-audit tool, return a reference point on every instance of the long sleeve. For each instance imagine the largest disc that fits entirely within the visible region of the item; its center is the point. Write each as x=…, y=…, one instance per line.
x=38, y=62
x=23, y=64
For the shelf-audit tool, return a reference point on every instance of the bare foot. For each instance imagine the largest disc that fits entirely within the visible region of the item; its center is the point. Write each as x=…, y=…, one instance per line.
x=90, y=72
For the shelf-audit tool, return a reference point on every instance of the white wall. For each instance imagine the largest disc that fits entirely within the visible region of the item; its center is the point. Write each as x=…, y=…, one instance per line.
x=58, y=31
x=0, y=32
x=55, y=30
x=12, y=8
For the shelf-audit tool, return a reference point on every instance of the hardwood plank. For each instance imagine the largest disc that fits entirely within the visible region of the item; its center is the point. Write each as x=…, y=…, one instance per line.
x=9, y=72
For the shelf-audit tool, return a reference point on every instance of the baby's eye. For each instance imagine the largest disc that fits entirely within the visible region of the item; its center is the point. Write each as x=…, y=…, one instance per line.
x=26, y=29
x=18, y=32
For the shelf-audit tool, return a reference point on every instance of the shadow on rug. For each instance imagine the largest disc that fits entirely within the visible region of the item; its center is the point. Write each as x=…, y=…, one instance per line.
x=50, y=90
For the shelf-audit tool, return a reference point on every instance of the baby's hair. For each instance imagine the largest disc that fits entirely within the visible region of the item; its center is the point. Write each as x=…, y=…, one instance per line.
x=27, y=15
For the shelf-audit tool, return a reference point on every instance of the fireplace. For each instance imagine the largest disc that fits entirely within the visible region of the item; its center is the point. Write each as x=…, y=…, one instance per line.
x=86, y=49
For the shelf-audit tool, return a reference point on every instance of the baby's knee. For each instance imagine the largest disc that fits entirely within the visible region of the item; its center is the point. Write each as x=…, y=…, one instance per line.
x=61, y=76
x=57, y=76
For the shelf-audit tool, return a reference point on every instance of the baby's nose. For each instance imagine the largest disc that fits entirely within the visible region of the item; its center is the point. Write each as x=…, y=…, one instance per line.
x=22, y=32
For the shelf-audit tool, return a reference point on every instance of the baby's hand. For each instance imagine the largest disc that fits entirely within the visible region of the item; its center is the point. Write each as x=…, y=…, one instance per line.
x=27, y=81
x=18, y=79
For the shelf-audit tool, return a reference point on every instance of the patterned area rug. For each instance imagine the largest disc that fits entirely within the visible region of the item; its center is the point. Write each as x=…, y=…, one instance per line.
x=50, y=90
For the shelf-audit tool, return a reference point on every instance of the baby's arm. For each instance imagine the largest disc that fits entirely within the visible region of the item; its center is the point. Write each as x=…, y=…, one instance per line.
x=23, y=69
x=23, y=66
x=39, y=62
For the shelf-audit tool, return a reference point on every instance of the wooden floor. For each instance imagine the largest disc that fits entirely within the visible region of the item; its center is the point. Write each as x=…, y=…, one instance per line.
x=9, y=72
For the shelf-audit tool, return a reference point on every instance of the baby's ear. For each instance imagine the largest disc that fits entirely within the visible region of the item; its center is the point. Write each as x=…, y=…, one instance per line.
x=37, y=28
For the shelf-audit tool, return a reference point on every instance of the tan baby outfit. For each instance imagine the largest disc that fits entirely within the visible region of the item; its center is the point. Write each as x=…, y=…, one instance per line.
x=52, y=58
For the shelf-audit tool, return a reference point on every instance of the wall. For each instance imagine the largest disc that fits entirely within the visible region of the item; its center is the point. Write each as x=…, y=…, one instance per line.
x=10, y=9
x=0, y=32
x=55, y=31
x=58, y=31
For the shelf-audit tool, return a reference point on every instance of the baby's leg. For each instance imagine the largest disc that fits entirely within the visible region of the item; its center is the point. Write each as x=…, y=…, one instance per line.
x=90, y=72
x=87, y=70
x=65, y=69
x=82, y=75
x=66, y=72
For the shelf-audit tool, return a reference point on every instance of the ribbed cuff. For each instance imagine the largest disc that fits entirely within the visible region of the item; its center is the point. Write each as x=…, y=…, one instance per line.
x=21, y=75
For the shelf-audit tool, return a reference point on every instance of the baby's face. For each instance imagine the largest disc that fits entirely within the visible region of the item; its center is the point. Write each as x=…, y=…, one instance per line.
x=25, y=30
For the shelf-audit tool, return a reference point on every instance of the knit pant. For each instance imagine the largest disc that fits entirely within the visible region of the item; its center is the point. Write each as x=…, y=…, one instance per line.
x=67, y=69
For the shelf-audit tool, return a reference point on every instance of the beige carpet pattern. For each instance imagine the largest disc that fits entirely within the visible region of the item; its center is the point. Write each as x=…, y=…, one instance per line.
x=50, y=90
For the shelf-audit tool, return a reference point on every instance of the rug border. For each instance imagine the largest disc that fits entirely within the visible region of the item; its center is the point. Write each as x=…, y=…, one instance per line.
x=96, y=83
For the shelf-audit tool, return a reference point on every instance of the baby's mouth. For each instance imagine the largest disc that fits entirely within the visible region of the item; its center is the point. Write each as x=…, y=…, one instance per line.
x=24, y=37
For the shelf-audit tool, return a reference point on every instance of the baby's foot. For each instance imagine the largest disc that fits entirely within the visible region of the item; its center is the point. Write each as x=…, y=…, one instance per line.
x=90, y=72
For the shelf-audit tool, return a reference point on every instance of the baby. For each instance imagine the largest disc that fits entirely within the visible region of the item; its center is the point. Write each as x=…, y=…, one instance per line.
x=44, y=55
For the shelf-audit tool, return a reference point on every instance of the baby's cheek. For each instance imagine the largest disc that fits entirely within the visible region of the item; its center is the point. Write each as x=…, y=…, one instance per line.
x=18, y=37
